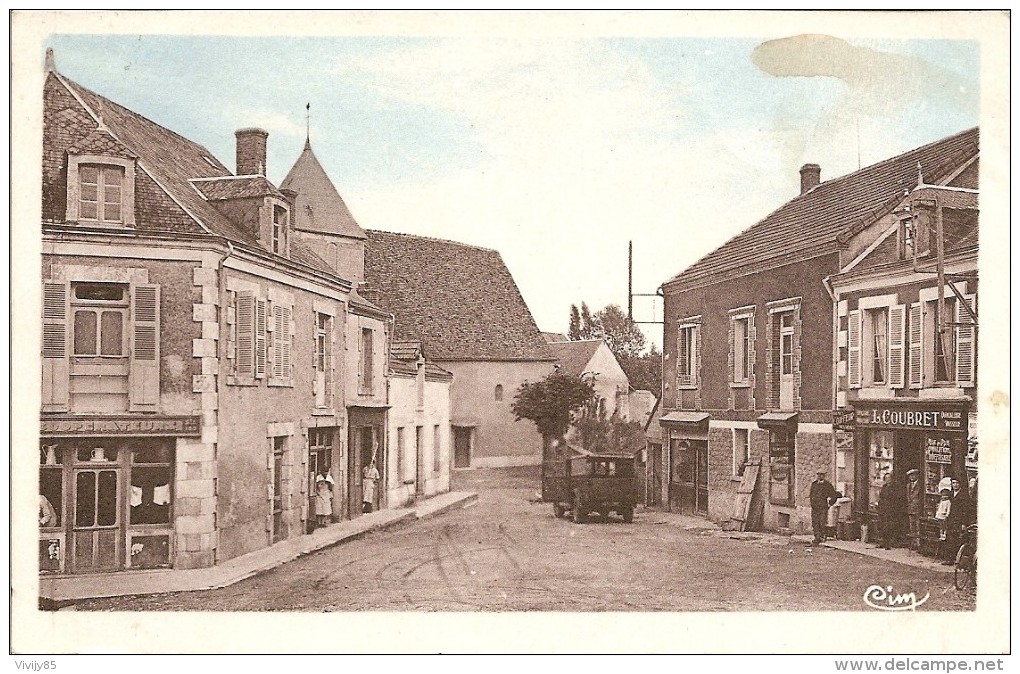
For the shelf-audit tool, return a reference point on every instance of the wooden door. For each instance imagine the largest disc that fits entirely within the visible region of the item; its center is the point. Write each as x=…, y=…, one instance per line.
x=461, y=447
x=98, y=529
x=419, y=461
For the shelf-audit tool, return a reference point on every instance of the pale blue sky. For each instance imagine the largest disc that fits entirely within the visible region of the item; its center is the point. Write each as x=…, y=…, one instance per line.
x=555, y=152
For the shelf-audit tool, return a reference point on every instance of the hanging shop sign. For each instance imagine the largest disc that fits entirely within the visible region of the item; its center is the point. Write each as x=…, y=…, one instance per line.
x=120, y=425
x=948, y=421
x=938, y=450
x=843, y=420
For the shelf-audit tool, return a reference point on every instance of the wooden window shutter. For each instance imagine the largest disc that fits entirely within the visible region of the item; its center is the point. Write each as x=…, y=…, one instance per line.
x=245, y=361
x=287, y=338
x=915, y=344
x=143, y=378
x=854, y=349
x=56, y=361
x=897, y=333
x=965, y=370
x=260, y=337
x=682, y=361
x=279, y=338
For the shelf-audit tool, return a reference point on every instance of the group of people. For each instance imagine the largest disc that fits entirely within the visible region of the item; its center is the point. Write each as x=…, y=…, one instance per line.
x=955, y=510
x=899, y=504
x=324, y=486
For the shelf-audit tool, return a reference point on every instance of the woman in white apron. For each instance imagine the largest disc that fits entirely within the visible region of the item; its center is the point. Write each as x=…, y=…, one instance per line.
x=369, y=477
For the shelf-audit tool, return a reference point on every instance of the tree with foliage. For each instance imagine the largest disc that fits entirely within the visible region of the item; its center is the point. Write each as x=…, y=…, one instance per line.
x=551, y=402
x=624, y=339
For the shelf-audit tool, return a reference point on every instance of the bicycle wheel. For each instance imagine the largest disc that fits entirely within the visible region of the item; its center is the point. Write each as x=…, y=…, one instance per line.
x=963, y=573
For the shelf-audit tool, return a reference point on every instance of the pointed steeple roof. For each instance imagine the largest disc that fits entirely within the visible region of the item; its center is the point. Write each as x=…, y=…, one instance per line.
x=318, y=206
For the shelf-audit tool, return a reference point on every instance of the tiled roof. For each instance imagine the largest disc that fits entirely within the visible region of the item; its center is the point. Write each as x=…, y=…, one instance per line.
x=239, y=187
x=319, y=207
x=459, y=300
x=175, y=163
x=812, y=221
x=550, y=337
x=573, y=357
x=405, y=350
x=432, y=371
x=170, y=158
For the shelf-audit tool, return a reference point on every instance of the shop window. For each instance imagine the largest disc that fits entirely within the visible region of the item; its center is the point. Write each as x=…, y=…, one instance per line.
x=881, y=457
x=741, y=450
x=151, y=480
x=782, y=461
x=51, y=487
x=96, y=455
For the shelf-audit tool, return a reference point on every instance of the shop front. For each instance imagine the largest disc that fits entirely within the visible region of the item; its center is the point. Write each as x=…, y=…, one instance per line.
x=891, y=438
x=687, y=434
x=106, y=492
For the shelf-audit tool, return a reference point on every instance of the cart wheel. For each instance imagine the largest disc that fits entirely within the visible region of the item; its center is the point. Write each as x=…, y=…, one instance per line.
x=578, y=511
x=628, y=514
x=558, y=510
x=963, y=573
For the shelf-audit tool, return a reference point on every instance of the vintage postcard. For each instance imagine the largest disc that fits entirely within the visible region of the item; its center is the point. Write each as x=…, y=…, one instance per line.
x=535, y=332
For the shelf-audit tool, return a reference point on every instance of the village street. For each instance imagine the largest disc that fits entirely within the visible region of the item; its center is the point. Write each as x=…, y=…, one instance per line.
x=508, y=553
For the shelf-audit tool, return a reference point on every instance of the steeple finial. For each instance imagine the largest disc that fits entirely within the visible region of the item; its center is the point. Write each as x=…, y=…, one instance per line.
x=308, y=126
x=51, y=61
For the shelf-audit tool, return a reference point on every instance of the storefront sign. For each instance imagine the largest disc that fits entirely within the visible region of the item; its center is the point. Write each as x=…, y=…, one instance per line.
x=937, y=450
x=843, y=420
x=120, y=425
x=951, y=421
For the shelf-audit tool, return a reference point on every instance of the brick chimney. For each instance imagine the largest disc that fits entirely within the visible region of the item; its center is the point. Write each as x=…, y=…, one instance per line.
x=251, y=151
x=810, y=176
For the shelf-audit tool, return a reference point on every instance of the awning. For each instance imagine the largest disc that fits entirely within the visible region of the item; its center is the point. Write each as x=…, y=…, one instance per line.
x=693, y=421
x=778, y=420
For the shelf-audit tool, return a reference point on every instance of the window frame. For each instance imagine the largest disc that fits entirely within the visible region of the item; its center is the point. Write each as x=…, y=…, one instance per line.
x=75, y=162
x=688, y=338
x=100, y=308
x=744, y=355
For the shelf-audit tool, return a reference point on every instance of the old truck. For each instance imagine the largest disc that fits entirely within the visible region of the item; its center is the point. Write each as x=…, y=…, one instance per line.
x=581, y=482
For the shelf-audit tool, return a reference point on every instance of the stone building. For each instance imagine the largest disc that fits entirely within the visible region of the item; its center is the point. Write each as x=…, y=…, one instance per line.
x=461, y=303
x=195, y=349
x=750, y=341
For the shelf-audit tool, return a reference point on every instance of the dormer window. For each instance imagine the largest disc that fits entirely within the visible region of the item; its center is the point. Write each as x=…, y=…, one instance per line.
x=279, y=230
x=100, y=190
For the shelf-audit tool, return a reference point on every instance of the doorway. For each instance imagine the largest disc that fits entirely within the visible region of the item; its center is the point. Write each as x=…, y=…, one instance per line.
x=419, y=461
x=462, y=436
x=320, y=455
x=688, y=489
x=98, y=526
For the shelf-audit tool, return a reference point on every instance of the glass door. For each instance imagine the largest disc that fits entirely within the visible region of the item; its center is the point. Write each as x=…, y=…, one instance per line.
x=97, y=525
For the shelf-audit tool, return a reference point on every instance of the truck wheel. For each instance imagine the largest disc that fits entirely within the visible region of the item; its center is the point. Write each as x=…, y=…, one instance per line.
x=558, y=510
x=628, y=514
x=578, y=510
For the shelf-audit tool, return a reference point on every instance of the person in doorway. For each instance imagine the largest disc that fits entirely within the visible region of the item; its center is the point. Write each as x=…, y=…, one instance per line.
x=822, y=495
x=889, y=513
x=915, y=507
x=323, y=499
x=369, y=477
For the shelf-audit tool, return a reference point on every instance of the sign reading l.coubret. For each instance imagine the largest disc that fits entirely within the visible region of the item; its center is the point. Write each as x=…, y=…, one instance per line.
x=120, y=425
x=944, y=420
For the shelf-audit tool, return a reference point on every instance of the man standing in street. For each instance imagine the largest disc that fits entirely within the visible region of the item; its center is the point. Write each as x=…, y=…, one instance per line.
x=823, y=494
x=915, y=507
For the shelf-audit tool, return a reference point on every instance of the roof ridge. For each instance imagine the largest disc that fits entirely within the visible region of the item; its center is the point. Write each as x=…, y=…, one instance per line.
x=128, y=110
x=434, y=238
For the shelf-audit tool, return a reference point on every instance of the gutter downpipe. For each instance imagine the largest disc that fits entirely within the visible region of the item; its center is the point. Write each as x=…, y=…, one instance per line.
x=833, y=364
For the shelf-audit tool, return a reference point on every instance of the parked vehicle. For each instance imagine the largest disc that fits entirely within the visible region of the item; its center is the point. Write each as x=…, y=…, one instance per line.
x=582, y=482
